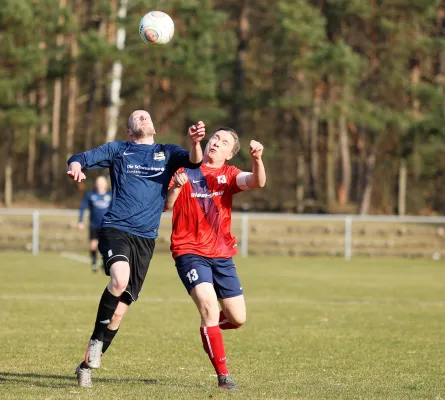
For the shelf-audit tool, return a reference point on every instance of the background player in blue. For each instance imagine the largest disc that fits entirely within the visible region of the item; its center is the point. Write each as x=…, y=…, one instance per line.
x=97, y=201
x=140, y=173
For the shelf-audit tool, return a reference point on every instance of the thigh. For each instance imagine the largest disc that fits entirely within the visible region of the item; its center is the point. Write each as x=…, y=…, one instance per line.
x=141, y=253
x=193, y=270
x=113, y=246
x=225, y=278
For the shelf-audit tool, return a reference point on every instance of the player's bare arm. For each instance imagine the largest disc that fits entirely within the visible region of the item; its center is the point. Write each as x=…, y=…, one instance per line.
x=257, y=178
x=75, y=172
x=179, y=180
x=196, y=133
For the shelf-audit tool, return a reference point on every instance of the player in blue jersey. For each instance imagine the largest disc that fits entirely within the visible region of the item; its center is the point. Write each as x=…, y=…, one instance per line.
x=97, y=201
x=140, y=173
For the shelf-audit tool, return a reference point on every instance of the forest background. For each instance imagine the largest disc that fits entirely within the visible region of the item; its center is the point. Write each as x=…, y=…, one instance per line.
x=347, y=96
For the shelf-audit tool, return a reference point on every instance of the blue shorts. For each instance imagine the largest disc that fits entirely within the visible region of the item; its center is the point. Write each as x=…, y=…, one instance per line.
x=221, y=272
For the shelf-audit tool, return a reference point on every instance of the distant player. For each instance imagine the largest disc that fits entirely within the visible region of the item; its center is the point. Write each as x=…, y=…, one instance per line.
x=97, y=201
x=202, y=244
x=140, y=173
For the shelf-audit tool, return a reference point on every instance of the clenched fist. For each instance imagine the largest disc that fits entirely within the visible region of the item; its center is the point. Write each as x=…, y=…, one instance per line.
x=197, y=132
x=256, y=149
x=180, y=179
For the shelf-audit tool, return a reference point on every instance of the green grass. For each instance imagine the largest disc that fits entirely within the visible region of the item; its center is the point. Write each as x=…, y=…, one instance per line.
x=317, y=329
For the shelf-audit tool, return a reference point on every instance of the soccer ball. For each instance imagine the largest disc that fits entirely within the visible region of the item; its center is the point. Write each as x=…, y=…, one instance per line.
x=156, y=27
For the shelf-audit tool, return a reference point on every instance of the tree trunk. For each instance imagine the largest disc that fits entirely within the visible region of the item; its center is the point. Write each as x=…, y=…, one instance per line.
x=31, y=145
x=72, y=96
x=301, y=172
x=345, y=161
x=330, y=164
x=9, y=171
x=113, y=112
x=44, y=134
x=366, y=201
x=403, y=173
x=315, y=189
x=441, y=34
x=8, y=182
x=238, y=87
x=57, y=106
x=302, y=164
x=55, y=138
x=92, y=92
x=417, y=160
x=361, y=173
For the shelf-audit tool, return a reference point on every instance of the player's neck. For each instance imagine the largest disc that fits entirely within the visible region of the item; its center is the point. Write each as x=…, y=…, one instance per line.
x=144, y=140
x=212, y=163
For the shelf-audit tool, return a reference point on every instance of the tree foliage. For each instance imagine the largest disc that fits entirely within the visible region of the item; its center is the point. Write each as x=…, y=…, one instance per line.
x=344, y=94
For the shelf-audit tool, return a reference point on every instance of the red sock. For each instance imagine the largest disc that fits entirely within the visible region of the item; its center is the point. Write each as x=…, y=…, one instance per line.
x=224, y=322
x=214, y=346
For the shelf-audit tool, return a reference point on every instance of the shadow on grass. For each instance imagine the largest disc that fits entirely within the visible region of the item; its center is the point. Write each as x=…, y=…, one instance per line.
x=34, y=379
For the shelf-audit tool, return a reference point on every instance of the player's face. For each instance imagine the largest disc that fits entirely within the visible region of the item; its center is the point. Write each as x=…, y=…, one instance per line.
x=220, y=146
x=140, y=124
x=101, y=184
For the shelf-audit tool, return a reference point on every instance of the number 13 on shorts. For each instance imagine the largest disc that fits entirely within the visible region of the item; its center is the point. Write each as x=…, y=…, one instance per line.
x=192, y=275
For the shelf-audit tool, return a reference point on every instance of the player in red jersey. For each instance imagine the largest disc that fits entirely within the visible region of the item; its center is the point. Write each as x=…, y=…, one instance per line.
x=202, y=244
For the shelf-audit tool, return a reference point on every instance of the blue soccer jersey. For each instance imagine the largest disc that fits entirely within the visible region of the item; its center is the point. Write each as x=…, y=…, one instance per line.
x=97, y=204
x=140, y=175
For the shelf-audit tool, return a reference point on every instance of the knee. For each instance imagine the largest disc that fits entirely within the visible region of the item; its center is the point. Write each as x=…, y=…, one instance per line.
x=237, y=320
x=118, y=285
x=209, y=311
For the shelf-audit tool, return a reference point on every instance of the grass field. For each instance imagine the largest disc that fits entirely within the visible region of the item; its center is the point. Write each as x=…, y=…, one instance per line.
x=316, y=329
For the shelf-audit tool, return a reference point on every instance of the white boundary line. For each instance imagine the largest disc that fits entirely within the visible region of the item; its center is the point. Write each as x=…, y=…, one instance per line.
x=75, y=257
x=256, y=300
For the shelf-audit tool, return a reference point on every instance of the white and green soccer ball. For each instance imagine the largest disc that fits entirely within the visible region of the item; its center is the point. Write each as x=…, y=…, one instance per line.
x=156, y=27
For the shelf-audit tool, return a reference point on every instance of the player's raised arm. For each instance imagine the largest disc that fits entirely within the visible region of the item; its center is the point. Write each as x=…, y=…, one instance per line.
x=257, y=178
x=179, y=180
x=196, y=133
x=100, y=157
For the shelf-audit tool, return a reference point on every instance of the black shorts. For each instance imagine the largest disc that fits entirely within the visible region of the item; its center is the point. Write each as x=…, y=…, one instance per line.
x=94, y=233
x=116, y=245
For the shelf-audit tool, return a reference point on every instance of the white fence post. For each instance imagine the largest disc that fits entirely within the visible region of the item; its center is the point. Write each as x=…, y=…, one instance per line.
x=35, y=232
x=348, y=238
x=244, y=235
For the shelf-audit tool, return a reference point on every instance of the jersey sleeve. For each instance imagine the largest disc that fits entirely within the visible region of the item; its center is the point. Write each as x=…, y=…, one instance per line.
x=100, y=157
x=179, y=158
x=236, y=185
x=84, y=205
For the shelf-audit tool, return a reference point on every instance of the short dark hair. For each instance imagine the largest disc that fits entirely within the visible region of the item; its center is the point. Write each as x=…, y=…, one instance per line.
x=236, y=145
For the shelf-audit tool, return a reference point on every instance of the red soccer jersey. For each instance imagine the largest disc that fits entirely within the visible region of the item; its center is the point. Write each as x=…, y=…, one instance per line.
x=202, y=213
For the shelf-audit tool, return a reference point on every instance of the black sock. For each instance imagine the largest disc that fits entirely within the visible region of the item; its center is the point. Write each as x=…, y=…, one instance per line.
x=107, y=306
x=93, y=256
x=108, y=338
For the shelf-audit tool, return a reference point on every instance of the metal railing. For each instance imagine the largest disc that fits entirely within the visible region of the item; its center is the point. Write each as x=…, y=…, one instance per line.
x=245, y=219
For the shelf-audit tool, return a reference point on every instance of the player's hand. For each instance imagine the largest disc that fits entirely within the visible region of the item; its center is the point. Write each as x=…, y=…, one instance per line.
x=197, y=132
x=75, y=172
x=180, y=179
x=256, y=149
x=81, y=226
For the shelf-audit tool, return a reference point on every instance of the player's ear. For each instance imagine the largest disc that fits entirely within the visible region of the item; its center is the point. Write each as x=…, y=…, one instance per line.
x=230, y=157
x=130, y=133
